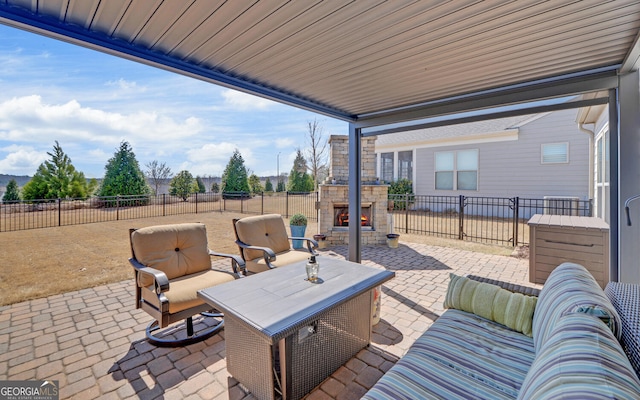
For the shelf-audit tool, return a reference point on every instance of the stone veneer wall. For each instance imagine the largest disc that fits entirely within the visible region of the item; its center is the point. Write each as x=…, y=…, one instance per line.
x=339, y=193
x=339, y=163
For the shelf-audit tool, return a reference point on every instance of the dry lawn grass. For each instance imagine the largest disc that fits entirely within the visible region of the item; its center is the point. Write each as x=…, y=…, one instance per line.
x=43, y=262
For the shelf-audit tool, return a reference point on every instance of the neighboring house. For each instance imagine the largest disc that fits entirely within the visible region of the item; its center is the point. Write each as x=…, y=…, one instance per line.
x=533, y=156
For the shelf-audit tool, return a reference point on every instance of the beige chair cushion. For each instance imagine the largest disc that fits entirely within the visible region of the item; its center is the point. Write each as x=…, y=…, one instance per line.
x=282, y=259
x=176, y=250
x=182, y=293
x=264, y=231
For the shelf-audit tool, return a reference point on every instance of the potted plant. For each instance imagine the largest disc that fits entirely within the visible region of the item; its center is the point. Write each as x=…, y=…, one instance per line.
x=298, y=225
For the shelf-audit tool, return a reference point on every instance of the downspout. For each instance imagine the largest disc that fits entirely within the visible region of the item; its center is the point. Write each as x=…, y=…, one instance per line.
x=591, y=158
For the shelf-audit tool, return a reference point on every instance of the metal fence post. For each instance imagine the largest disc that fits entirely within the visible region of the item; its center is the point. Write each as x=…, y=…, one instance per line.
x=118, y=208
x=164, y=204
x=516, y=219
x=406, y=213
x=59, y=211
x=262, y=203
x=196, y=202
x=461, y=217
x=287, y=204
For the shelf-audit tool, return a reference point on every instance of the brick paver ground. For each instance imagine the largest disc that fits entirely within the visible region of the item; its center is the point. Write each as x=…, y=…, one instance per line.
x=92, y=341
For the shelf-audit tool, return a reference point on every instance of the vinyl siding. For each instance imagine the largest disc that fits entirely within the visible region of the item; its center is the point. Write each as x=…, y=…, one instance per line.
x=514, y=168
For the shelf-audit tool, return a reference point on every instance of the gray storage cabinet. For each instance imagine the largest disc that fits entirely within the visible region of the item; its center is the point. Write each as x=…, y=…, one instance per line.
x=555, y=239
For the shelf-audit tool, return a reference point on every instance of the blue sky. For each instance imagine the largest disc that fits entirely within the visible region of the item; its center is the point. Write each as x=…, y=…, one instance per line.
x=90, y=102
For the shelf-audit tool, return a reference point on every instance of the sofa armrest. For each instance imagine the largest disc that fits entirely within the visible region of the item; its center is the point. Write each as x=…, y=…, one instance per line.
x=512, y=287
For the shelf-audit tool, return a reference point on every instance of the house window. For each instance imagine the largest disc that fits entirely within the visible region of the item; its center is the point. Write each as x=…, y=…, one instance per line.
x=386, y=164
x=405, y=165
x=602, y=177
x=555, y=153
x=457, y=170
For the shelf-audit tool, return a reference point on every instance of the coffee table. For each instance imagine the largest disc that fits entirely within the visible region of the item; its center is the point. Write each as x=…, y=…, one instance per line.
x=284, y=335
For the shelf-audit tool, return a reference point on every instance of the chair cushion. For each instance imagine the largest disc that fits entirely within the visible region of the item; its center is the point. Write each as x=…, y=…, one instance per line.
x=176, y=250
x=513, y=310
x=264, y=231
x=581, y=359
x=282, y=259
x=182, y=293
x=570, y=288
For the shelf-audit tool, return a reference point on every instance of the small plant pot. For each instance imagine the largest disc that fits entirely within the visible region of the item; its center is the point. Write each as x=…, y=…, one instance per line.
x=321, y=239
x=392, y=240
x=297, y=231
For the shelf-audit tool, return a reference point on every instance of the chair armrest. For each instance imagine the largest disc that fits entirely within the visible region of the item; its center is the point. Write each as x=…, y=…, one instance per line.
x=311, y=244
x=512, y=287
x=268, y=254
x=159, y=278
x=237, y=263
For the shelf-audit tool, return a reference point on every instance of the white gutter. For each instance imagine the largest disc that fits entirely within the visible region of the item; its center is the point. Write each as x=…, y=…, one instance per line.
x=591, y=157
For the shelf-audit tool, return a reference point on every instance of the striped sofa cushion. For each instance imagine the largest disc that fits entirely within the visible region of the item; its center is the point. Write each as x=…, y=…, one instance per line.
x=580, y=359
x=461, y=355
x=570, y=288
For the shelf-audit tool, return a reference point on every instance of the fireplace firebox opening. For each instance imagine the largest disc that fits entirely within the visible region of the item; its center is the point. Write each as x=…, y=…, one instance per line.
x=341, y=215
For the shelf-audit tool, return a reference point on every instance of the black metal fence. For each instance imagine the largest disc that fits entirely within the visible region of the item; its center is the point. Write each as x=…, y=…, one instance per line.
x=33, y=214
x=495, y=220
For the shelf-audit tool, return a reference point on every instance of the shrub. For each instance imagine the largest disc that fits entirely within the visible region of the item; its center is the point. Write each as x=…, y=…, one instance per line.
x=298, y=220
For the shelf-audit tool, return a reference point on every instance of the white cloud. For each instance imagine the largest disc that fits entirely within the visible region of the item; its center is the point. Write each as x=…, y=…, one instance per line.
x=240, y=101
x=20, y=160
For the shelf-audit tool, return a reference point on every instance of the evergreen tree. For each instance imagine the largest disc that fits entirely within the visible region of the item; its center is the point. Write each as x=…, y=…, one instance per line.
x=281, y=186
x=268, y=186
x=13, y=192
x=215, y=188
x=123, y=176
x=200, y=184
x=254, y=184
x=299, y=179
x=182, y=185
x=57, y=178
x=234, y=178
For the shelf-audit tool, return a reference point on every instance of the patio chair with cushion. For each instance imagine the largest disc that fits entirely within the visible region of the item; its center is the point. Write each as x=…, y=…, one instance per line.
x=171, y=263
x=264, y=243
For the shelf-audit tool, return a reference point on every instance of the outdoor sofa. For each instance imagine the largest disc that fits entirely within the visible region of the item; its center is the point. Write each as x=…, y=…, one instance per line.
x=567, y=341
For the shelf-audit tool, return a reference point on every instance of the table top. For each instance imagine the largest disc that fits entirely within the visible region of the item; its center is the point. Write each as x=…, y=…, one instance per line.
x=276, y=301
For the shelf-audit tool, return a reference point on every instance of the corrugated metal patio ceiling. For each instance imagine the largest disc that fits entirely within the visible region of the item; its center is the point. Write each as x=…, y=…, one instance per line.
x=349, y=58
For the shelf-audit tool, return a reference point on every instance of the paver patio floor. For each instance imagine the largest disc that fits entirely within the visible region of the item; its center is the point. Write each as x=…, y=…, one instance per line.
x=92, y=341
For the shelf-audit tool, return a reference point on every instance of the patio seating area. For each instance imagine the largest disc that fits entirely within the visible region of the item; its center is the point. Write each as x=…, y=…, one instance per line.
x=93, y=341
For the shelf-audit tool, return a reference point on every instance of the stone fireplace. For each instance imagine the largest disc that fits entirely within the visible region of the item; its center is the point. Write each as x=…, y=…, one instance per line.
x=334, y=196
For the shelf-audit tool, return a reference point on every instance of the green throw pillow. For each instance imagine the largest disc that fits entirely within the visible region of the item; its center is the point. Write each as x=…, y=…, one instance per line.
x=513, y=310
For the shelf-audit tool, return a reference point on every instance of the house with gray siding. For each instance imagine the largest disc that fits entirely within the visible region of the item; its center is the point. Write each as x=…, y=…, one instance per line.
x=536, y=156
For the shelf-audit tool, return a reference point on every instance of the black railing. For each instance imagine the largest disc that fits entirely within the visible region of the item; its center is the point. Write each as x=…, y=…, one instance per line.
x=495, y=220
x=33, y=214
